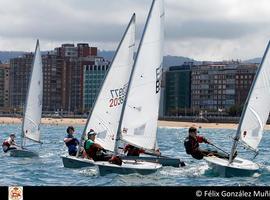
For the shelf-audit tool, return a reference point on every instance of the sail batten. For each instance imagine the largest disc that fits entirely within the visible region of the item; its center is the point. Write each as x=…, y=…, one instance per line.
x=140, y=113
x=33, y=108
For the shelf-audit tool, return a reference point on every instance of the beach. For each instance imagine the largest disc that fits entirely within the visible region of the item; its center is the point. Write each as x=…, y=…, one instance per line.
x=51, y=121
x=82, y=121
x=179, y=124
x=169, y=124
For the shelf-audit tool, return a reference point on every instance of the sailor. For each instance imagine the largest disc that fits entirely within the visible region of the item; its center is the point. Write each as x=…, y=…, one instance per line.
x=94, y=150
x=132, y=150
x=71, y=142
x=9, y=143
x=191, y=144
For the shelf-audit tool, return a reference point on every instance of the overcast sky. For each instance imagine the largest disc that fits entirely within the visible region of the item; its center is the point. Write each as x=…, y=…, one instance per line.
x=199, y=29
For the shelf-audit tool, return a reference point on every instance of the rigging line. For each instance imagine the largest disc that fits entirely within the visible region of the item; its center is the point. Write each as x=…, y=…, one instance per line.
x=219, y=149
x=245, y=146
x=256, y=153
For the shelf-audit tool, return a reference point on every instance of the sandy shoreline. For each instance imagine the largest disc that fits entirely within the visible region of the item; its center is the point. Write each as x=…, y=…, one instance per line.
x=82, y=121
x=51, y=121
x=175, y=124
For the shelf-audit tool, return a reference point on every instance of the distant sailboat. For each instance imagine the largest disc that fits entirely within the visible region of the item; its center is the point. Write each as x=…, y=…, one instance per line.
x=33, y=108
x=104, y=118
x=252, y=122
x=138, y=122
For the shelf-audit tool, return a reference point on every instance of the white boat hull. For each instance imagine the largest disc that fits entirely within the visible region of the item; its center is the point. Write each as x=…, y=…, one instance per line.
x=23, y=153
x=173, y=162
x=128, y=167
x=76, y=162
x=239, y=166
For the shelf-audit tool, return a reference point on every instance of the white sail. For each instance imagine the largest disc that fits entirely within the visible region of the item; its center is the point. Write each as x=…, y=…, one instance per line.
x=33, y=108
x=105, y=116
x=257, y=108
x=139, y=123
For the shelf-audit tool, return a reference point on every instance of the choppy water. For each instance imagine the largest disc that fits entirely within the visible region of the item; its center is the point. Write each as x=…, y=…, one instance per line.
x=48, y=170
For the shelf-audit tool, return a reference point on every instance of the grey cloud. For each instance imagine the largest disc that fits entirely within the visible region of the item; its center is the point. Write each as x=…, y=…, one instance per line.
x=103, y=22
x=85, y=20
x=212, y=29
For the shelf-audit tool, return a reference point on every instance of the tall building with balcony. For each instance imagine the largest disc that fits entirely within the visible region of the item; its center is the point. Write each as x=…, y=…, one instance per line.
x=73, y=59
x=213, y=86
x=94, y=75
x=177, y=99
x=20, y=71
x=68, y=73
x=243, y=79
x=4, y=87
x=63, y=71
x=52, y=82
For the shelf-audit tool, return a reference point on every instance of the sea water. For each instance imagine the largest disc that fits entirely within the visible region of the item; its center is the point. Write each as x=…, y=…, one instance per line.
x=48, y=169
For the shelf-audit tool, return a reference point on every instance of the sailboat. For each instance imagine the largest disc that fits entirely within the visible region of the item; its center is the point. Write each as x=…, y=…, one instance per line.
x=33, y=108
x=138, y=120
x=104, y=118
x=250, y=130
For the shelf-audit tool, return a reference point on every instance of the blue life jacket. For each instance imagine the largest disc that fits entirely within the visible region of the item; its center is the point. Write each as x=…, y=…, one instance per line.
x=72, y=145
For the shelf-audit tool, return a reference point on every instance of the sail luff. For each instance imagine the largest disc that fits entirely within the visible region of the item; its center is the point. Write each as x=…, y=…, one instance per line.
x=33, y=110
x=139, y=117
x=248, y=109
x=119, y=132
x=104, y=116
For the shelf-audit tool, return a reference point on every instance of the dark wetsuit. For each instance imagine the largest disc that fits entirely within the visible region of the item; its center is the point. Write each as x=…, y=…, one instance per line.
x=72, y=145
x=192, y=147
x=132, y=151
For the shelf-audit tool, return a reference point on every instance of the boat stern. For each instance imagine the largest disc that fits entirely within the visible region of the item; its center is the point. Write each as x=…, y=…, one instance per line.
x=239, y=167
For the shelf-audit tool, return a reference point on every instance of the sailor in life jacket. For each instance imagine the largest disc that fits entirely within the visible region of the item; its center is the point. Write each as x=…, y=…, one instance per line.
x=132, y=150
x=9, y=143
x=94, y=150
x=71, y=142
x=192, y=144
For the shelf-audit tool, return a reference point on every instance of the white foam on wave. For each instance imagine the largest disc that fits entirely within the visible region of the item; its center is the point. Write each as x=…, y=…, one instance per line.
x=189, y=171
x=47, y=155
x=91, y=171
x=256, y=175
x=265, y=168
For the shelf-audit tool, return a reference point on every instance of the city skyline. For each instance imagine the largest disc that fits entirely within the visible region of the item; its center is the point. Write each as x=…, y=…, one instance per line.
x=202, y=30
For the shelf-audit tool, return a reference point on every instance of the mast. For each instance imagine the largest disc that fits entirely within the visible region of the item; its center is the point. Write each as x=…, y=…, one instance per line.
x=101, y=88
x=118, y=134
x=238, y=133
x=28, y=90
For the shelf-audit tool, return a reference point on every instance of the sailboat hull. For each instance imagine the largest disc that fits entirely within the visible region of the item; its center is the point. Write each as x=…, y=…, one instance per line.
x=239, y=167
x=76, y=162
x=173, y=162
x=23, y=153
x=128, y=167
